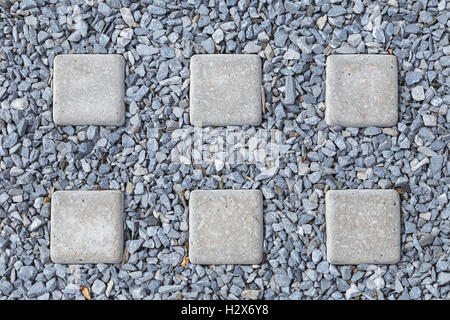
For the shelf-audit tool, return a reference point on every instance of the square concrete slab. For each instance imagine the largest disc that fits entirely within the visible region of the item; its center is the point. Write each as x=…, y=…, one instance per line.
x=363, y=226
x=361, y=90
x=225, y=89
x=86, y=227
x=88, y=89
x=225, y=227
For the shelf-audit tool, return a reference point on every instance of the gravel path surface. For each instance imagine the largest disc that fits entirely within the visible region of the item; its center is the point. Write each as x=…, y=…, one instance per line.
x=157, y=39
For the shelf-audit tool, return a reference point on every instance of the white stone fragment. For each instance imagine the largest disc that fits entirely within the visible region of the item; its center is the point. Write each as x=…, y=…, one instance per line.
x=429, y=120
x=416, y=166
x=19, y=103
x=127, y=16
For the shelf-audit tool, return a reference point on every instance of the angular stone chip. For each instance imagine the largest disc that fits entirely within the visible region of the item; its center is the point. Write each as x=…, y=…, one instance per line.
x=86, y=227
x=89, y=89
x=361, y=90
x=362, y=226
x=226, y=227
x=225, y=89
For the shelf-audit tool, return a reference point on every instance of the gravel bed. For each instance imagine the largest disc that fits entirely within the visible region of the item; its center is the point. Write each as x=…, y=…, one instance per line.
x=157, y=39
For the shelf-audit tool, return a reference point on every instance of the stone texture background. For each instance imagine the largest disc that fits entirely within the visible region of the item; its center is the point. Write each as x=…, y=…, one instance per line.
x=157, y=40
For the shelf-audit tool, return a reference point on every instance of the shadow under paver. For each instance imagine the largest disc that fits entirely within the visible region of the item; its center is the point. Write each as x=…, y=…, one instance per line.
x=226, y=227
x=225, y=89
x=86, y=226
x=361, y=90
x=362, y=226
x=89, y=89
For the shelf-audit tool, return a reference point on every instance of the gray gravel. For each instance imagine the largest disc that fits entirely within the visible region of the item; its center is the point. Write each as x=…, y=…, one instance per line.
x=157, y=38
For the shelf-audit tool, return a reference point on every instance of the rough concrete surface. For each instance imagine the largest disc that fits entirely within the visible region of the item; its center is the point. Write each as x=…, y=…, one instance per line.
x=363, y=226
x=361, y=90
x=225, y=89
x=89, y=89
x=225, y=226
x=86, y=226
